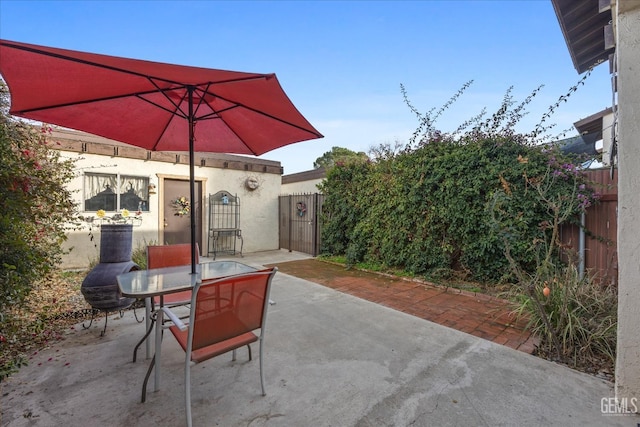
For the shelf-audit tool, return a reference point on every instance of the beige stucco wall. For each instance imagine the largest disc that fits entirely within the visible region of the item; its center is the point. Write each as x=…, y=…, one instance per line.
x=258, y=211
x=628, y=65
x=303, y=182
x=301, y=187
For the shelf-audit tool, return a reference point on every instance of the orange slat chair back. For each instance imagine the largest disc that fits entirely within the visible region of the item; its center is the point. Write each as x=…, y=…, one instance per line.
x=171, y=256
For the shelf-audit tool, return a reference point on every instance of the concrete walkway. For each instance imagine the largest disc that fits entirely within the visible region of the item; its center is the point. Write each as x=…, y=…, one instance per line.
x=331, y=359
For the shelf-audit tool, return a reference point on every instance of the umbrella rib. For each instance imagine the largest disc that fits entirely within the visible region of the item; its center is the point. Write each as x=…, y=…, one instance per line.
x=89, y=101
x=80, y=61
x=177, y=112
x=139, y=95
x=215, y=113
x=163, y=92
x=123, y=70
x=271, y=116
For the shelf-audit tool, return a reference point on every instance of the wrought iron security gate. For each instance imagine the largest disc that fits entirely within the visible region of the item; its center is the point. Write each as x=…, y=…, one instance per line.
x=224, y=224
x=300, y=224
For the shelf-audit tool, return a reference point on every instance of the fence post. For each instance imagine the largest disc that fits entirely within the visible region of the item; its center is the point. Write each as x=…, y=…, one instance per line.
x=290, y=221
x=314, y=240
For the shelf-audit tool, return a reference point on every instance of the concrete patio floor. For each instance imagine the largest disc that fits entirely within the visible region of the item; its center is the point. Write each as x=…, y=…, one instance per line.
x=331, y=359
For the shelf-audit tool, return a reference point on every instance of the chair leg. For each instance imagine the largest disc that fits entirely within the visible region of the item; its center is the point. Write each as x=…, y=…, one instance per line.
x=264, y=393
x=249, y=348
x=187, y=390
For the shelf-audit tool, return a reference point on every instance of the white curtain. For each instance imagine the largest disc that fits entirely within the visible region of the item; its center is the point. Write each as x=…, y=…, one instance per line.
x=134, y=183
x=95, y=183
x=138, y=186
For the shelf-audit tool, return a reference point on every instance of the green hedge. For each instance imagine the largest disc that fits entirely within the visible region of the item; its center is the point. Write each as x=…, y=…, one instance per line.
x=433, y=210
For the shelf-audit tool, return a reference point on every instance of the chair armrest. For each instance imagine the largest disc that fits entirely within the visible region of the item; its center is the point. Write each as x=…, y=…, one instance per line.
x=175, y=319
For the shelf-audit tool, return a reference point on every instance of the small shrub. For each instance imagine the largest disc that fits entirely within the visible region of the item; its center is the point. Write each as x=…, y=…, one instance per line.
x=139, y=254
x=35, y=205
x=573, y=315
x=576, y=321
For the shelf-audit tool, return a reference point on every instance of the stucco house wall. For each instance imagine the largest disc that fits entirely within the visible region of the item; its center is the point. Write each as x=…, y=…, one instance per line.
x=258, y=207
x=303, y=182
x=627, y=19
x=597, y=30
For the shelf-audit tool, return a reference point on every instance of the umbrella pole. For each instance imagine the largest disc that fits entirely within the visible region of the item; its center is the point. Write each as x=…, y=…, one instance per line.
x=192, y=180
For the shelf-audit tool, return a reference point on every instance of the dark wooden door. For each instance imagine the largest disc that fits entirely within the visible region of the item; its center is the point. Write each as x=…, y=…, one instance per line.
x=177, y=227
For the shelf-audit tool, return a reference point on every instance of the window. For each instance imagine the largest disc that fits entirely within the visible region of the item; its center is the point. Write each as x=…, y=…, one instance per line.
x=114, y=192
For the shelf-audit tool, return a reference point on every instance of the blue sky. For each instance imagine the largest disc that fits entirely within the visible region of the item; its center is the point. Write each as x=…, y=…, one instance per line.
x=340, y=62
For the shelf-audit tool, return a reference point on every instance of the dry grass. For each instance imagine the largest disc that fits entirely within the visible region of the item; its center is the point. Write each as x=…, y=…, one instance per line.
x=53, y=309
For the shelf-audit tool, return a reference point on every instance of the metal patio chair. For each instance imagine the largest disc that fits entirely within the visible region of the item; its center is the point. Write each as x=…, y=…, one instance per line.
x=159, y=256
x=225, y=314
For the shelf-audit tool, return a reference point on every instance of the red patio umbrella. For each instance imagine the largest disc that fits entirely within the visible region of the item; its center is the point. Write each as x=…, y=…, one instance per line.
x=157, y=106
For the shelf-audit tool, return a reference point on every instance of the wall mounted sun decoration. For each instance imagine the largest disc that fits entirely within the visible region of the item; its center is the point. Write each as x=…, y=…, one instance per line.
x=181, y=206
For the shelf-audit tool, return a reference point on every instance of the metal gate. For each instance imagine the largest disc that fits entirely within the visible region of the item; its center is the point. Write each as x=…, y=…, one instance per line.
x=300, y=224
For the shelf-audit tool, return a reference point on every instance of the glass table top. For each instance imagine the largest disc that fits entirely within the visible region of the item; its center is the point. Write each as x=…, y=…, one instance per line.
x=161, y=281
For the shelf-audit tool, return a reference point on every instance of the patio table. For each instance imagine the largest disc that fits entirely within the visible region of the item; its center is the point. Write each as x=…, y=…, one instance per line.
x=158, y=282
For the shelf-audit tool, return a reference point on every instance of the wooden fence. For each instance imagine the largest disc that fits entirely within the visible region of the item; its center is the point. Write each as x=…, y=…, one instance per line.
x=601, y=223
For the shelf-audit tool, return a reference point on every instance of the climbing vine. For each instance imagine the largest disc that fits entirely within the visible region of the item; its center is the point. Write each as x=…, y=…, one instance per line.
x=426, y=207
